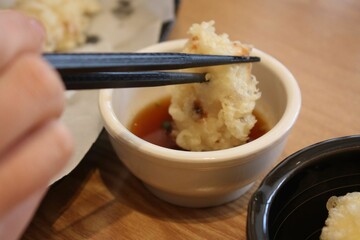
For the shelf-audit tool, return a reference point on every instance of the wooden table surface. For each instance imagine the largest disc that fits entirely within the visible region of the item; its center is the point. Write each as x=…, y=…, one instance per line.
x=319, y=41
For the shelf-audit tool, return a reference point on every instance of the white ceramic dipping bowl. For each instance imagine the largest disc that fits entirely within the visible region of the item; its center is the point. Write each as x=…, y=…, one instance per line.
x=203, y=179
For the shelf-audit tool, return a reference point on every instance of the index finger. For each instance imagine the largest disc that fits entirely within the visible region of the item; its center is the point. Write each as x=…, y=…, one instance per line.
x=19, y=34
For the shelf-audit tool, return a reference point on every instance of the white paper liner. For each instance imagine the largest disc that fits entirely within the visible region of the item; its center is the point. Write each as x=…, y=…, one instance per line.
x=121, y=26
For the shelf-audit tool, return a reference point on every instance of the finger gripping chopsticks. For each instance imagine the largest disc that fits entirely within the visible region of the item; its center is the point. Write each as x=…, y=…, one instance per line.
x=112, y=70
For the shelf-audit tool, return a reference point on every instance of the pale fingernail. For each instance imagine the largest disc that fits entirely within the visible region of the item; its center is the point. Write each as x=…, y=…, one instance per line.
x=38, y=27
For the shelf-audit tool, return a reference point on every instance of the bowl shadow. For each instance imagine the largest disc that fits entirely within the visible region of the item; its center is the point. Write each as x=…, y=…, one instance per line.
x=131, y=191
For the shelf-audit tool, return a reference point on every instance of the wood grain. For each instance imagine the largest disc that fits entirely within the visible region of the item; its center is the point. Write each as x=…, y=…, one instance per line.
x=317, y=40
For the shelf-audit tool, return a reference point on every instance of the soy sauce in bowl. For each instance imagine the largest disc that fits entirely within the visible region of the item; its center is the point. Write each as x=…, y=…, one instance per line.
x=153, y=124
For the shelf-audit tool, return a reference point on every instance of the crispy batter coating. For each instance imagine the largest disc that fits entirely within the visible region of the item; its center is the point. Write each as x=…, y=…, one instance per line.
x=65, y=21
x=218, y=114
x=343, y=220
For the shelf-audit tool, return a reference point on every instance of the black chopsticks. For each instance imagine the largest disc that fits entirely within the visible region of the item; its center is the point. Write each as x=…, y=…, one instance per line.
x=99, y=80
x=119, y=70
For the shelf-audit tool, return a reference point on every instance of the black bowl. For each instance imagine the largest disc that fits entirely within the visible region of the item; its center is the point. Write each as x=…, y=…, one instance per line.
x=291, y=201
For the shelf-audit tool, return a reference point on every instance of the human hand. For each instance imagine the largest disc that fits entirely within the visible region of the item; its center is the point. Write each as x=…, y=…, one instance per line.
x=34, y=144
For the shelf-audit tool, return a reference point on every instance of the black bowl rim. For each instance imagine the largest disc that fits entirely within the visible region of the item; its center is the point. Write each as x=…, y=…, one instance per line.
x=257, y=221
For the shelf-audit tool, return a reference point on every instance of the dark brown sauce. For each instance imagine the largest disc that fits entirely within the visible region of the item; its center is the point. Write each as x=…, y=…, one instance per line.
x=149, y=123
